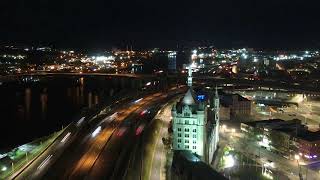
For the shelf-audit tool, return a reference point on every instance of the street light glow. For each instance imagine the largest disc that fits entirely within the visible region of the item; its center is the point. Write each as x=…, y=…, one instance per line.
x=229, y=161
x=4, y=168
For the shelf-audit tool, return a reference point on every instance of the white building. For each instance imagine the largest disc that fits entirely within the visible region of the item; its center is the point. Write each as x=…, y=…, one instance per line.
x=196, y=124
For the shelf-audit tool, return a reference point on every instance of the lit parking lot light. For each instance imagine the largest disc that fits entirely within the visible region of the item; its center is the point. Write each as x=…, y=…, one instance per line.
x=3, y=168
x=229, y=161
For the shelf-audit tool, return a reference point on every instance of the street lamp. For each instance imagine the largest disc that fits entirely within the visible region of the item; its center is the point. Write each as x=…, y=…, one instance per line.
x=224, y=127
x=4, y=168
x=233, y=130
x=297, y=157
x=229, y=161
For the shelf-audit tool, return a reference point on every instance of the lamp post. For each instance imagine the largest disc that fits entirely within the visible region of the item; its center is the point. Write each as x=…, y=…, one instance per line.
x=224, y=128
x=233, y=130
x=297, y=158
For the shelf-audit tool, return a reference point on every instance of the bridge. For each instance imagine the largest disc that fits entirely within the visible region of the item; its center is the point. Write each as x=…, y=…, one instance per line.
x=127, y=81
x=262, y=85
x=141, y=79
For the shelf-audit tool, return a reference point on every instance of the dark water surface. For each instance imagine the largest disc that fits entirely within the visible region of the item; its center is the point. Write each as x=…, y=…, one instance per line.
x=31, y=110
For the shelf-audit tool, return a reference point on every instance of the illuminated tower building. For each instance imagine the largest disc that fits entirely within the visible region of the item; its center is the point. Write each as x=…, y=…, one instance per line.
x=191, y=129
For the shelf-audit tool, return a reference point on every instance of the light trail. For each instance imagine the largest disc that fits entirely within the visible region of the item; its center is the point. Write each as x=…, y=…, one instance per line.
x=44, y=162
x=80, y=121
x=96, y=132
x=65, y=137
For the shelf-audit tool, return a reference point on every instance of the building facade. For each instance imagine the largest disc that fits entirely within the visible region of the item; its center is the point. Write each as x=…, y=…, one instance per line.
x=188, y=166
x=213, y=125
x=172, y=64
x=287, y=138
x=235, y=105
x=196, y=124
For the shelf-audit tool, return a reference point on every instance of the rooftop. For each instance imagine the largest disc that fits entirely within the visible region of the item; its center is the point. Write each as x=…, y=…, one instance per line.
x=293, y=127
x=189, y=164
x=309, y=136
x=227, y=99
x=189, y=98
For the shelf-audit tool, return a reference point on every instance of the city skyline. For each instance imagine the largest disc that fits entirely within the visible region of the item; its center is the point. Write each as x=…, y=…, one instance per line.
x=158, y=90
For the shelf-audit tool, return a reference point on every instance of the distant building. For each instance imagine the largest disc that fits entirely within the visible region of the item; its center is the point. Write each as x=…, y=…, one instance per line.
x=288, y=138
x=183, y=57
x=188, y=166
x=172, y=64
x=196, y=124
x=136, y=68
x=234, y=105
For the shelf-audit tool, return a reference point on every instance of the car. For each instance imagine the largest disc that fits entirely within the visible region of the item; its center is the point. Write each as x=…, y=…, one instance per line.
x=287, y=157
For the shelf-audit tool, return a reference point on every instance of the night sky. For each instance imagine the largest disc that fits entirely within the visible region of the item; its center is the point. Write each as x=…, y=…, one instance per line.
x=147, y=23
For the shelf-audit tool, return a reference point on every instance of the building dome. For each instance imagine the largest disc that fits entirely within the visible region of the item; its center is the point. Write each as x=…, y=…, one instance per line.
x=188, y=98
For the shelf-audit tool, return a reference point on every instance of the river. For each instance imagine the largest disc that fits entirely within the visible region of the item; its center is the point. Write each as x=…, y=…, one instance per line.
x=31, y=110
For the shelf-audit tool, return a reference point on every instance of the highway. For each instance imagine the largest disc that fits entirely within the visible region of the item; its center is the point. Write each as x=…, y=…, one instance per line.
x=97, y=149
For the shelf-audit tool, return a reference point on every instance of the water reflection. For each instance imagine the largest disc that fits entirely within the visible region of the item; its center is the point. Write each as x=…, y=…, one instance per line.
x=96, y=99
x=35, y=110
x=27, y=103
x=44, y=103
x=90, y=100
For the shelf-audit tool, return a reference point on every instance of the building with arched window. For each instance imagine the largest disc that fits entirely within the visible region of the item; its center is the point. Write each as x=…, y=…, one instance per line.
x=196, y=124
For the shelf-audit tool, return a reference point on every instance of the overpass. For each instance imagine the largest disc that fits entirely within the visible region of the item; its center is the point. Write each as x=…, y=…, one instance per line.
x=141, y=79
x=263, y=85
x=43, y=73
x=129, y=81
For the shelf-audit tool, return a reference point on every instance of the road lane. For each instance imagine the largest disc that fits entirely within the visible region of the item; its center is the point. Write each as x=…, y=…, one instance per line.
x=79, y=155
